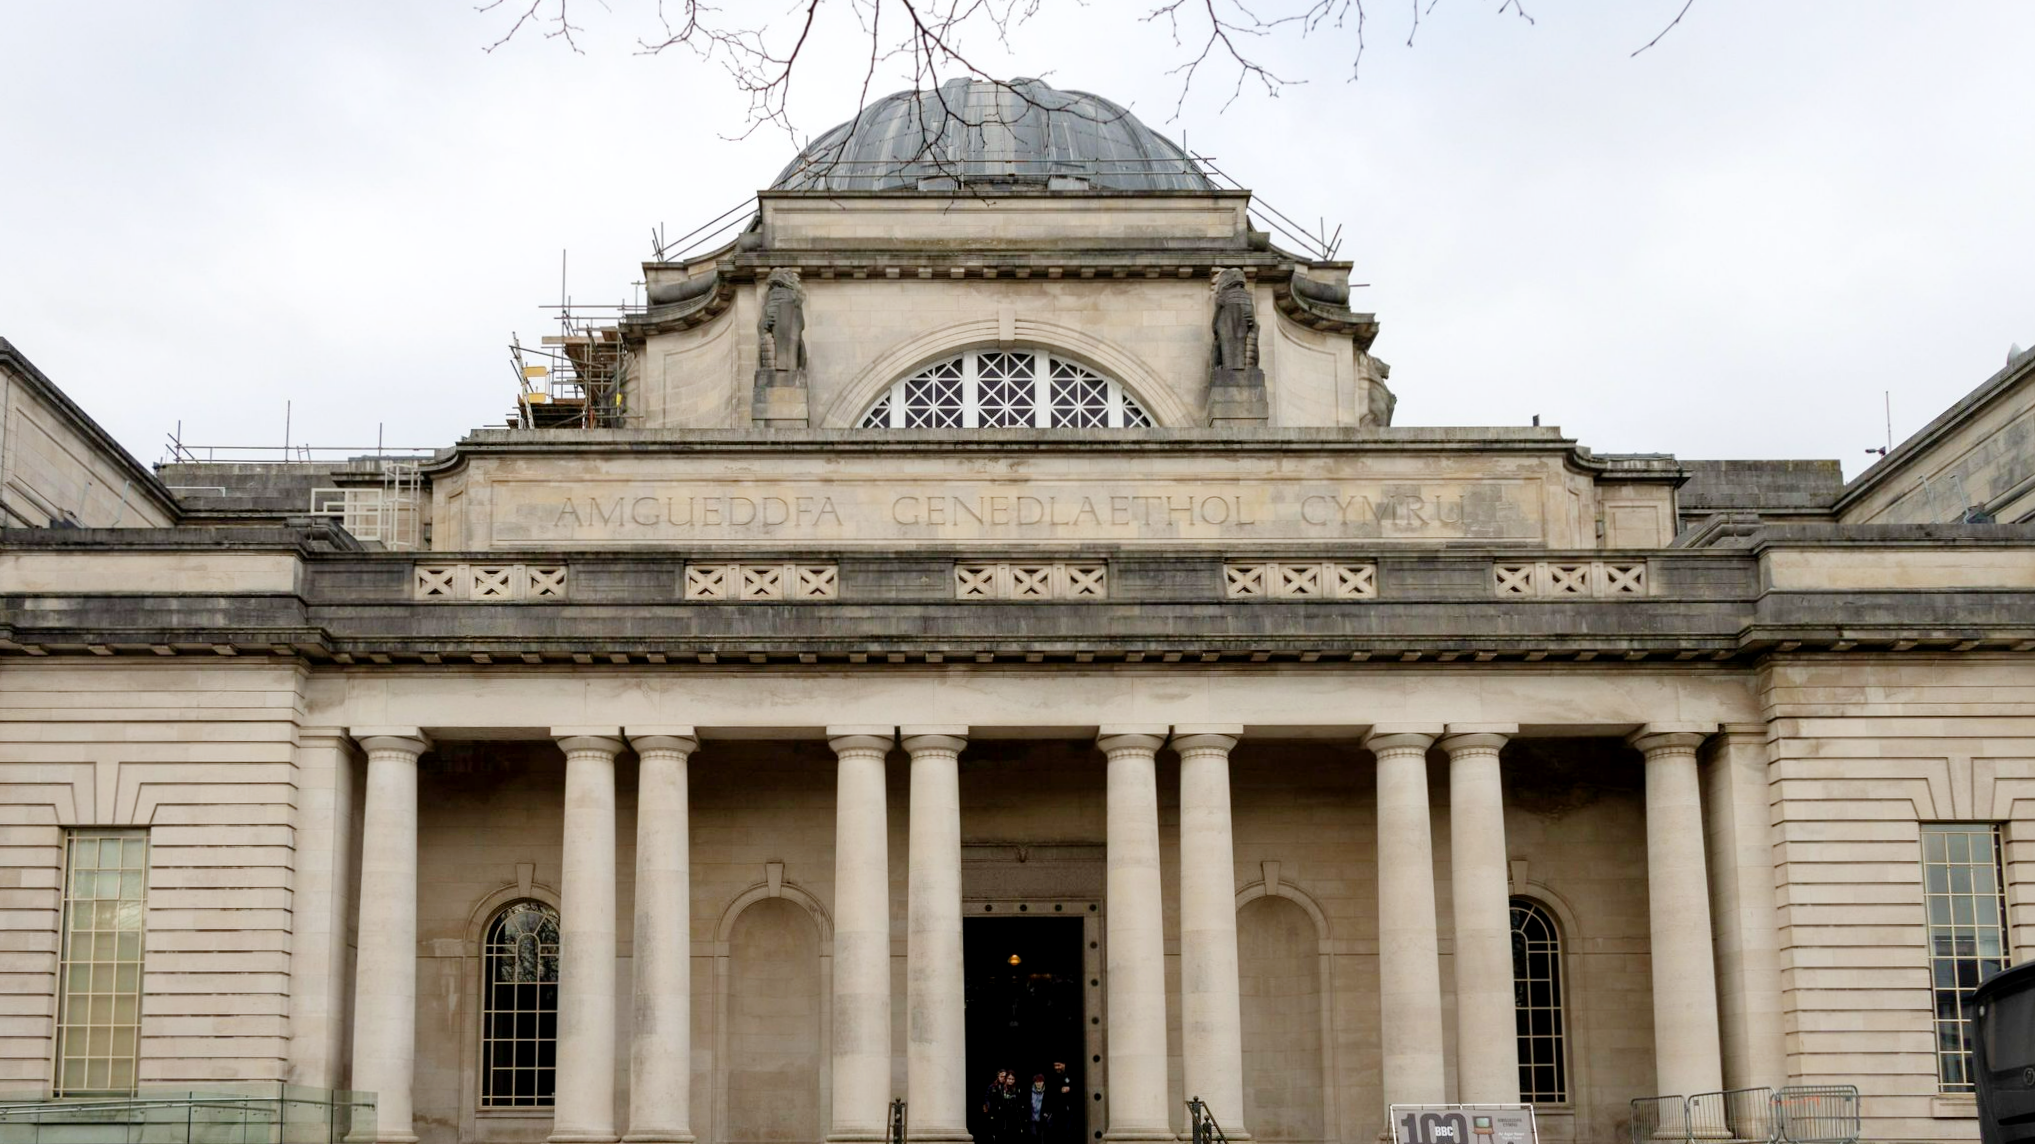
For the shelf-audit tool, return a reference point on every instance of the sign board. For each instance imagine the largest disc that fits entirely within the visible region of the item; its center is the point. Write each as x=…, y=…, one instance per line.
x=1463, y=1124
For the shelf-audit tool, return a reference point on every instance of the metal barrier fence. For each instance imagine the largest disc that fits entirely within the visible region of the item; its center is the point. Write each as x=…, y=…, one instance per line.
x=267, y=1114
x=1797, y=1114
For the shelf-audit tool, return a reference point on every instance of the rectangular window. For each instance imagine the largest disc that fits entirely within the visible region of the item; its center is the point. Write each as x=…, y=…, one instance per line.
x=1963, y=891
x=99, y=982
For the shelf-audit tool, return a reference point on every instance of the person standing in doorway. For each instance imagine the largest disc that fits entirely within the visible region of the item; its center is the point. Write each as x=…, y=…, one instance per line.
x=1062, y=1104
x=1038, y=1109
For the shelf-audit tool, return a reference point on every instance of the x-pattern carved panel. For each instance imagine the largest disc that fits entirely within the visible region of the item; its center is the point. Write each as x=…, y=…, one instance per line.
x=1085, y=580
x=707, y=581
x=1625, y=579
x=1055, y=581
x=817, y=581
x=1570, y=578
x=762, y=581
x=759, y=583
x=1293, y=580
x=497, y=582
x=1244, y=581
x=1296, y=581
x=488, y=583
x=439, y=581
x=546, y=582
x=974, y=581
x=1031, y=581
x=1355, y=581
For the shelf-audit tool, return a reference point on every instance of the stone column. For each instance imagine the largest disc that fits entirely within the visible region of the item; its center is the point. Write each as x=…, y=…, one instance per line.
x=1685, y=1040
x=1409, y=954
x=584, y=1108
x=1211, y=1017
x=1135, y=939
x=936, y=1026
x=1487, y=1049
x=1748, y=943
x=385, y=966
x=323, y=897
x=660, y=1033
x=861, y=1086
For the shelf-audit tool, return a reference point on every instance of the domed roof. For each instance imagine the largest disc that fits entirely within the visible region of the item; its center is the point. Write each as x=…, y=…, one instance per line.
x=975, y=131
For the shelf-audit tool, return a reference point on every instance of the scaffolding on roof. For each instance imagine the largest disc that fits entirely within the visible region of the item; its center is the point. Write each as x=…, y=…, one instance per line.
x=573, y=379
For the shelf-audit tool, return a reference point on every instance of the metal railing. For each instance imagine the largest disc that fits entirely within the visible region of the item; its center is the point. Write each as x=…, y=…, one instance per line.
x=897, y=1120
x=1205, y=1129
x=270, y=1114
x=1796, y=1114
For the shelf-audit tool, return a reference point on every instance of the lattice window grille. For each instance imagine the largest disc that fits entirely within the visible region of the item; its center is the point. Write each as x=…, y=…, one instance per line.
x=758, y=583
x=1554, y=579
x=1027, y=581
x=489, y=583
x=1291, y=580
x=993, y=389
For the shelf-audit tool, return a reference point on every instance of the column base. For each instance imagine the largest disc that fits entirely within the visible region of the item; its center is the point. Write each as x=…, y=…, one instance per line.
x=658, y=1136
x=582, y=1138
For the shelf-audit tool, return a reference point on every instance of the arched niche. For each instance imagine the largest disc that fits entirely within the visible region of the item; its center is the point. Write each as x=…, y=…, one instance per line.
x=1288, y=1007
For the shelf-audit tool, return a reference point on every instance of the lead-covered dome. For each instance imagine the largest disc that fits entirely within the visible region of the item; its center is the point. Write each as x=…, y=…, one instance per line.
x=975, y=131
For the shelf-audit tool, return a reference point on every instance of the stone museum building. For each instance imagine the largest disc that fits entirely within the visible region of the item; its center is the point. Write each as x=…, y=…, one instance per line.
x=976, y=614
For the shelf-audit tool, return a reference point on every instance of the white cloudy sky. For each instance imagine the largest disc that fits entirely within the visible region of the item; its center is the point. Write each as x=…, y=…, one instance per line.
x=1728, y=246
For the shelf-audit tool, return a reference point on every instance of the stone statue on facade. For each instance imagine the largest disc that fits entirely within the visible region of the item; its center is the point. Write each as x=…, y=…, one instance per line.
x=1236, y=386
x=780, y=395
x=1378, y=405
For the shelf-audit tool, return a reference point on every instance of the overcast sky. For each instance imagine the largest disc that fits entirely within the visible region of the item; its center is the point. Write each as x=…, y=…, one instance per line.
x=1729, y=246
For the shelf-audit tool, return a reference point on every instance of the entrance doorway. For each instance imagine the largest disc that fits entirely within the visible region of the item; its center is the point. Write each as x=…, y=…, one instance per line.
x=1024, y=991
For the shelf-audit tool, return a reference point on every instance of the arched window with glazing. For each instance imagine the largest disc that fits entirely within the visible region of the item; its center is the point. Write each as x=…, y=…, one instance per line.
x=1537, y=993
x=1006, y=389
x=519, y=1007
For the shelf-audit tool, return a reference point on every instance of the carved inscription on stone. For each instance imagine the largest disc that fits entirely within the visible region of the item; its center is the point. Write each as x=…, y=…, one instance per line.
x=621, y=512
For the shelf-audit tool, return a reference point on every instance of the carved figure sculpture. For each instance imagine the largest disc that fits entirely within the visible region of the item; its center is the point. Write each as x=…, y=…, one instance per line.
x=1379, y=403
x=781, y=330
x=1235, y=358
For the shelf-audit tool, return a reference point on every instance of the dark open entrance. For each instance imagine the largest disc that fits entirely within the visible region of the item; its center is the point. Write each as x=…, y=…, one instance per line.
x=1024, y=1012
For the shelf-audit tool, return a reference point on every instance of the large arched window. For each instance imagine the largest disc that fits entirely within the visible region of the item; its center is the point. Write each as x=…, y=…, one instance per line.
x=1537, y=993
x=519, y=1007
x=1006, y=389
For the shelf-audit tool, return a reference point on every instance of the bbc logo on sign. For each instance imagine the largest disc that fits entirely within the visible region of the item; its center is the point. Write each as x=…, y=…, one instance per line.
x=1463, y=1124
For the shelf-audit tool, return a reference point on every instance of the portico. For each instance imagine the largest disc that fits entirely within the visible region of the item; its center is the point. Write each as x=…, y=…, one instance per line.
x=1168, y=1000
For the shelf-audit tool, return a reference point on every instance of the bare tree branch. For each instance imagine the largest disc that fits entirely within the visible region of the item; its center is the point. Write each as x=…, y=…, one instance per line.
x=1686, y=5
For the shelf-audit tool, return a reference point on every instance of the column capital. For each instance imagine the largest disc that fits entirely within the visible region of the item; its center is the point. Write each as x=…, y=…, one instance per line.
x=1670, y=738
x=1461, y=737
x=411, y=741
x=608, y=740
x=679, y=738
x=950, y=737
x=1402, y=736
x=876, y=737
x=1222, y=737
x=1147, y=737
